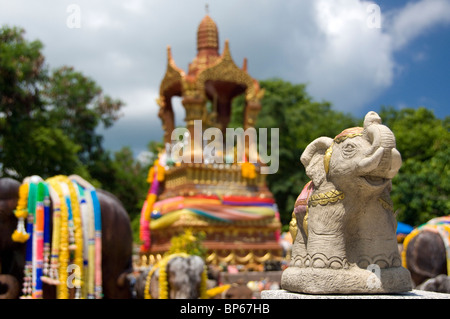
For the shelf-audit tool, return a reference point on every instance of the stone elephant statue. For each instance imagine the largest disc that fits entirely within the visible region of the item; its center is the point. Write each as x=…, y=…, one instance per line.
x=176, y=276
x=115, y=244
x=440, y=283
x=343, y=222
x=426, y=254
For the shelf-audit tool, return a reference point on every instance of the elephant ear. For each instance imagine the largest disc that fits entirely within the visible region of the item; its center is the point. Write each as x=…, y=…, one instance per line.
x=312, y=159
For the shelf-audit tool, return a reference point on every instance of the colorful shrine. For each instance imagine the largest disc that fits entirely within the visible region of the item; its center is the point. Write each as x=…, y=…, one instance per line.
x=228, y=201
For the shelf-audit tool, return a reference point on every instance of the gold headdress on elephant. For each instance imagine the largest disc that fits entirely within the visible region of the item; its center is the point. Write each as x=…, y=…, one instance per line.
x=347, y=133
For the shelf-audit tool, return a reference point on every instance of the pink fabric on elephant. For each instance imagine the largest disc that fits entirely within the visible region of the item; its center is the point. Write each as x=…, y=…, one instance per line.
x=302, y=200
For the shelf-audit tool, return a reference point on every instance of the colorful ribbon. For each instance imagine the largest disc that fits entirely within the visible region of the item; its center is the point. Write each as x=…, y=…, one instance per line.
x=76, y=210
x=155, y=176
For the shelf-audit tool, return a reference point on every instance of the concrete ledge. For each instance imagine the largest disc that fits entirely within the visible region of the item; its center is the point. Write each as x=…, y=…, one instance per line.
x=413, y=294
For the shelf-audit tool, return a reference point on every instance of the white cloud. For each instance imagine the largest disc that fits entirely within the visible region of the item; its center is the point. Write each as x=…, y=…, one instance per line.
x=352, y=61
x=135, y=6
x=349, y=62
x=415, y=19
x=139, y=101
x=119, y=61
x=99, y=19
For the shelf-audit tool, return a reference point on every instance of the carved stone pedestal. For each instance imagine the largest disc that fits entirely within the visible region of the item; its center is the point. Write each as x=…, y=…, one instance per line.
x=346, y=281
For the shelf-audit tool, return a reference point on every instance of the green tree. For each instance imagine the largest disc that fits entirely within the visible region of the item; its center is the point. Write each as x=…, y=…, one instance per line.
x=76, y=104
x=47, y=119
x=188, y=243
x=21, y=76
x=300, y=120
x=130, y=180
x=125, y=176
x=421, y=188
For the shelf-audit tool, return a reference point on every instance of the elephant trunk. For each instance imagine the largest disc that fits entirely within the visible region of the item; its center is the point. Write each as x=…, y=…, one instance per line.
x=9, y=287
x=371, y=163
x=383, y=158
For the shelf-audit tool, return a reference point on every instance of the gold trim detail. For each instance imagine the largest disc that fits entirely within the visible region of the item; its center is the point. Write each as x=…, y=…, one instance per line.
x=234, y=258
x=325, y=198
x=345, y=134
x=340, y=139
x=173, y=74
x=386, y=205
x=227, y=70
x=327, y=158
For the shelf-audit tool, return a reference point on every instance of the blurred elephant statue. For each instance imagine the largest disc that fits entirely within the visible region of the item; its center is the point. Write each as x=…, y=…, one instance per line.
x=440, y=283
x=113, y=264
x=343, y=223
x=426, y=254
x=175, y=276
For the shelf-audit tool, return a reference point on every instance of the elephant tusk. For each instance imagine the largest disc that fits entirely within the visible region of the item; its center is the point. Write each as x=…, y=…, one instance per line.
x=396, y=162
x=371, y=163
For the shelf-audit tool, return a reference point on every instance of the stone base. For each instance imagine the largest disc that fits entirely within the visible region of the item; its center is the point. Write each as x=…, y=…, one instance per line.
x=413, y=294
x=346, y=281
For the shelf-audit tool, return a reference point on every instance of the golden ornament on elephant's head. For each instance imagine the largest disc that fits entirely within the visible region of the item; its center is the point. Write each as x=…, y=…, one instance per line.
x=347, y=133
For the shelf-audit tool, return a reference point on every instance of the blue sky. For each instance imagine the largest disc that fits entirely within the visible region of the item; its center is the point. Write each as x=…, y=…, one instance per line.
x=424, y=78
x=327, y=44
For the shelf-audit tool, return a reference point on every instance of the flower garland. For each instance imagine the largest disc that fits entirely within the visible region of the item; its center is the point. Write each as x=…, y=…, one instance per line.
x=21, y=212
x=147, y=294
x=51, y=275
x=20, y=235
x=162, y=280
x=62, y=289
x=88, y=241
x=77, y=242
x=49, y=263
x=30, y=205
x=211, y=293
x=93, y=232
x=248, y=170
x=156, y=175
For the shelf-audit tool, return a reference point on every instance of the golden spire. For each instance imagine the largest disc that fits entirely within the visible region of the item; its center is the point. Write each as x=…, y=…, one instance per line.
x=207, y=34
